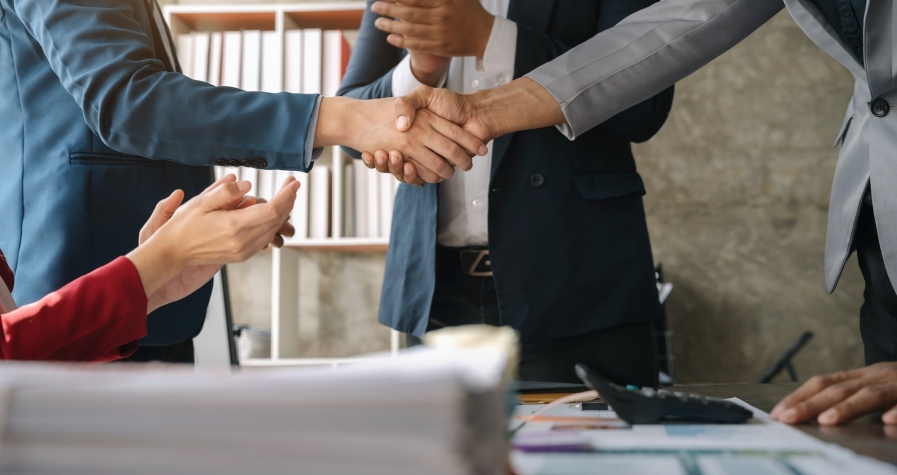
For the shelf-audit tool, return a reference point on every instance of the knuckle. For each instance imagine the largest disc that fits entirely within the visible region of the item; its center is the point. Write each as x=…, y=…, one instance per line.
x=818, y=381
x=454, y=150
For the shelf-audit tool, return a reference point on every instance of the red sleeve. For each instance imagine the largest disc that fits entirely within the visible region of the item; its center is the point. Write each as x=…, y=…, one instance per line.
x=6, y=273
x=98, y=317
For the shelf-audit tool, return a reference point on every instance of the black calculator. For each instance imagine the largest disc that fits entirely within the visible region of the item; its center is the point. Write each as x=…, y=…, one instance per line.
x=651, y=406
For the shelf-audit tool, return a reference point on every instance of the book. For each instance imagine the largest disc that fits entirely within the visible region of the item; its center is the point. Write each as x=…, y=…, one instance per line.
x=372, y=202
x=201, y=41
x=232, y=59
x=359, y=186
x=266, y=179
x=319, y=202
x=387, y=192
x=336, y=54
x=349, y=219
x=272, y=63
x=292, y=61
x=216, y=49
x=299, y=215
x=312, y=51
x=185, y=53
x=252, y=176
x=251, y=59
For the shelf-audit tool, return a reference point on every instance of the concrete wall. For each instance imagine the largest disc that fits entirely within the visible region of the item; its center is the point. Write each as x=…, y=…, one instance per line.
x=738, y=184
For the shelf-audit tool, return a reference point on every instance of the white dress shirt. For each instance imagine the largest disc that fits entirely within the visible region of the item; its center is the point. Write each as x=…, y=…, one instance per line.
x=464, y=198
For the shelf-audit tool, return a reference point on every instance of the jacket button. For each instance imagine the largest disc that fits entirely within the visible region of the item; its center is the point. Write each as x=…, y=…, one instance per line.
x=221, y=162
x=880, y=107
x=248, y=163
x=233, y=163
x=261, y=163
x=537, y=180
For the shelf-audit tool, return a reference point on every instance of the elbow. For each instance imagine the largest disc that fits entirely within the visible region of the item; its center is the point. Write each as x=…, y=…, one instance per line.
x=657, y=110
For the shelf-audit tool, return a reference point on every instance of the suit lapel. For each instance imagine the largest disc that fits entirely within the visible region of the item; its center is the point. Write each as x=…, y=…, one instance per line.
x=535, y=14
x=878, y=40
x=821, y=32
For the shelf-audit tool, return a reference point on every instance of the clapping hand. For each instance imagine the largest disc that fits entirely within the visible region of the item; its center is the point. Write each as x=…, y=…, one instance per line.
x=182, y=247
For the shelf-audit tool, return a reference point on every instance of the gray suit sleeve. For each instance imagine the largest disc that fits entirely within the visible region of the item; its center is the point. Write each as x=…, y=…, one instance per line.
x=644, y=54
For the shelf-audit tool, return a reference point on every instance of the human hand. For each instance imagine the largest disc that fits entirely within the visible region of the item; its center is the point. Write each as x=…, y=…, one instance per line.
x=448, y=28
x=837, y=398
x=189, y=280
x=217, y=227
x=432, y=144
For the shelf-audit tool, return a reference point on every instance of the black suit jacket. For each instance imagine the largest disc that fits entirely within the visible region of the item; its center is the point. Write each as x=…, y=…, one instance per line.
x=567, y=235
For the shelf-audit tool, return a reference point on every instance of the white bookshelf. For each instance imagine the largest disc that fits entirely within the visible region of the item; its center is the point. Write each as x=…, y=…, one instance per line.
x=279, y=18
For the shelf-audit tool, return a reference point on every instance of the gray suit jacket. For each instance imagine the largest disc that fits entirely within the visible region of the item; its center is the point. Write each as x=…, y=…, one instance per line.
x=666, y=42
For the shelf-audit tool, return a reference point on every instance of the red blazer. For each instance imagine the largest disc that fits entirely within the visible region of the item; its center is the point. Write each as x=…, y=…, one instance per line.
x=98, y=317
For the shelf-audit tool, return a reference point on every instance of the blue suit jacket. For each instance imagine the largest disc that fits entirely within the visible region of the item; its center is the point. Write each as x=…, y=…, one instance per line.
x=569, y=248
x=95, y=128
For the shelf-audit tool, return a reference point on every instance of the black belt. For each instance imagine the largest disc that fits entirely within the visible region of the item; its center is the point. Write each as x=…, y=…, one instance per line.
x=474, y=261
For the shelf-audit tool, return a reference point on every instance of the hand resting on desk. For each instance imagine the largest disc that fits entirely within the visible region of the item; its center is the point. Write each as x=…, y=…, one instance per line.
x=836, y=398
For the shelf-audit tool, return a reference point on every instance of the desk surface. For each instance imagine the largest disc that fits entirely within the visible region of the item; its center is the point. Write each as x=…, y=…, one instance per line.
x=866, y=435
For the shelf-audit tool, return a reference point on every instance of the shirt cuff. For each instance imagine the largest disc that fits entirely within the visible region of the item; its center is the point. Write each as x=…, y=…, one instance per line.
x=403, y=80
x=497, y=63
x=311, y=153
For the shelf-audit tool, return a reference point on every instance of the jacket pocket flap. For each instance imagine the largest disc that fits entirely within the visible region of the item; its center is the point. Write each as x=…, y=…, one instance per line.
x=601, y=186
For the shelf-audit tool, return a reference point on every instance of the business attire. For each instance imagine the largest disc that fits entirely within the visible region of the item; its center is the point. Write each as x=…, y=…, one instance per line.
x=54, y=327
x=97, y=125
x=665, y=42
x=544, y=235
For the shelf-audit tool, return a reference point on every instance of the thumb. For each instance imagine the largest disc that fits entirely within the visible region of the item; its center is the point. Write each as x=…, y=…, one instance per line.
x=225, y=196
x=406, y=107
x=161, y=214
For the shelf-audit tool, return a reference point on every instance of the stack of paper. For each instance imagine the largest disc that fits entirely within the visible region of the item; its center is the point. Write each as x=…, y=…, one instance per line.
x=430, y=411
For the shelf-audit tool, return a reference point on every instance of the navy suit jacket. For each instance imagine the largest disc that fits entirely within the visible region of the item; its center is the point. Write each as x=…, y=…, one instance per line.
x=567, y=235
x=96, y=128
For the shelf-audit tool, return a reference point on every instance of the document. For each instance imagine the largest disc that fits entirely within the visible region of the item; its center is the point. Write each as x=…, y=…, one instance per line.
x=574, y=442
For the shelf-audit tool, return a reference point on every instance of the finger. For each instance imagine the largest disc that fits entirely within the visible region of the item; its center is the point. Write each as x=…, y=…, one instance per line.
x=249, y=201
x=404, y=28
x=813, y=386
x=864, y=401
x=411, y=175
x=445, y=148
x=406, y=107
x=381, y=161
x=469, y=142
x=425, y=175
x=229, y=178
x=402, y=12
x=368, y=159
x=278, y=241
x=161, y=214
x=225, y=196
x=890, y=417
x=397, y=165
x=823, y=400
x=287, y=230
x=275, y=212
x=419, y=44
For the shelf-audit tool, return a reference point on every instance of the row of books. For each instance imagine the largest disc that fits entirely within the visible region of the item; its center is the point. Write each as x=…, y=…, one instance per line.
x=339, y=197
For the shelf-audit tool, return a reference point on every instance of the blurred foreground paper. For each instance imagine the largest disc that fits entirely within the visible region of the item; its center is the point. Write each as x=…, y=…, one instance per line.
x=434, y=411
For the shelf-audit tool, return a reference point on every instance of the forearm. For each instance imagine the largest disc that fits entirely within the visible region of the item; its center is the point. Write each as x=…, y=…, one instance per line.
x=156, y=263
x=519, y=105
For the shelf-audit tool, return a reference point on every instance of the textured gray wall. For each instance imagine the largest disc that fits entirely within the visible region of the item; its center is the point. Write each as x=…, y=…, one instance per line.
x=738, y=184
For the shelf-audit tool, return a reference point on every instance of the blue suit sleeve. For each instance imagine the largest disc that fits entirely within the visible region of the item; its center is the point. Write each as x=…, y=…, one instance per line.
x=105, y=59
x=636, y=124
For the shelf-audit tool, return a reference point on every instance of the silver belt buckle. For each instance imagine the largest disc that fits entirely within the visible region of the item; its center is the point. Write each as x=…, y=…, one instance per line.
x=476, y=263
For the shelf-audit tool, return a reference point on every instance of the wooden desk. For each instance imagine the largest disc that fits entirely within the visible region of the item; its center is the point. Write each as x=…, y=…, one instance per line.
x=866, y=435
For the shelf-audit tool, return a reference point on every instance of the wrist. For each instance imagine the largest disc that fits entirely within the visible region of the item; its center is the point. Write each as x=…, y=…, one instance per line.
x=522, y=104
x=428, y=76
x=333, y=127
x=156, y=264
x=485, y=32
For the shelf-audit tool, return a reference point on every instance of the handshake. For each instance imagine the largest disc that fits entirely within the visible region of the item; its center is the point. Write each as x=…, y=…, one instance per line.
x=421, y=138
